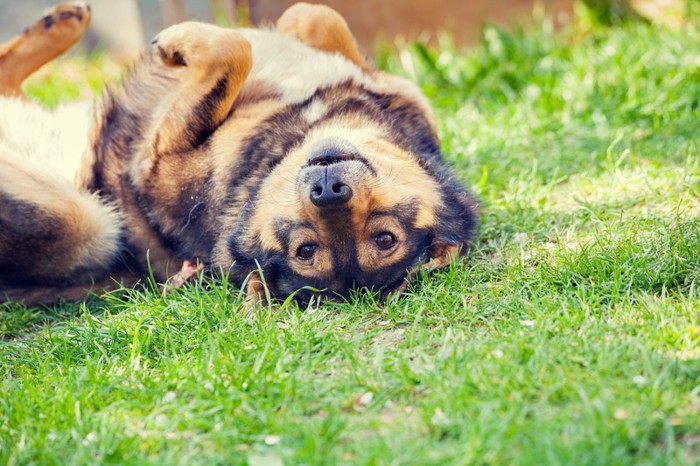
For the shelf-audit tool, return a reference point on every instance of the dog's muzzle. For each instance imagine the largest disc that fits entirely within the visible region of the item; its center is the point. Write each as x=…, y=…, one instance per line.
x=333, y=167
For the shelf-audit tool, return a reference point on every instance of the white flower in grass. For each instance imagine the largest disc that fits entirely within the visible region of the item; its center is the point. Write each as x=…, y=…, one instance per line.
x=89, y=438
x=520, y=238
x=366, y=398
x=639, y=380
x=439, y=418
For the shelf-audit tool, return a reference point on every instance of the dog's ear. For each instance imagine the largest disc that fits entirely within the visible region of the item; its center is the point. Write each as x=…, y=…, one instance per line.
x=250, y=267
x=255, y=291
x=248, y=272
x=458, y=221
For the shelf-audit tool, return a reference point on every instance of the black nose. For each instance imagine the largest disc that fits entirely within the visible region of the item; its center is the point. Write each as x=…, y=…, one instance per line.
x=328, y=189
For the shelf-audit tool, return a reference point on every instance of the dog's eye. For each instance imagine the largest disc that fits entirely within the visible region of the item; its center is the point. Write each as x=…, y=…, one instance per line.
x=384, y=240
x=306, y=251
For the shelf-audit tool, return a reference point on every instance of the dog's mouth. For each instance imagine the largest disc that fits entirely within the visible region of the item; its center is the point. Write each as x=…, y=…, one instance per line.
x=325, y=160
x=334, y=151
x=336, y=159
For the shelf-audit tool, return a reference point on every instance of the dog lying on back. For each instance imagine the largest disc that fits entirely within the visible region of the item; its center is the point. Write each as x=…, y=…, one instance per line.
x=280, y=156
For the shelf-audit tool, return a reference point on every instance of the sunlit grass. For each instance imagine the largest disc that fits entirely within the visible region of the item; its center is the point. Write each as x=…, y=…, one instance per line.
x=82, y=77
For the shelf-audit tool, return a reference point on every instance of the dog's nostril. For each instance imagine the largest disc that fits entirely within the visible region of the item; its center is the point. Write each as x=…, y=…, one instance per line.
x=338, y=188
x=317, y=190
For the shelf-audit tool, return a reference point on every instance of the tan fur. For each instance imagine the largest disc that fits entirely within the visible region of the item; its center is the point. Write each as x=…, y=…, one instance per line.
x=322, y=28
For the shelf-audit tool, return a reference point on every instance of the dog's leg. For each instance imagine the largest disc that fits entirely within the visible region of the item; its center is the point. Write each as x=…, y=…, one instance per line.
x=322, y=28
x=209, y=65
x=45, y=40
x=166, y=108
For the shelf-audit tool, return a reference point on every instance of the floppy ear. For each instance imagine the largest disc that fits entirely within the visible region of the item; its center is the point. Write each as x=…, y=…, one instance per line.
x=458, y=221
x=441, y=255
x=255, y=292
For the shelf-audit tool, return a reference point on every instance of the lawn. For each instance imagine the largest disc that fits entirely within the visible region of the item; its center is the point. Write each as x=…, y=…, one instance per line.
x=570, y=333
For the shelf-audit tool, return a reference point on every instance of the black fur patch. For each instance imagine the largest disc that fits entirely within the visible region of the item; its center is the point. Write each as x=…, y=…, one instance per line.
x=120, y=132
x=202, y=118
x=26, y=231
x=193, y=235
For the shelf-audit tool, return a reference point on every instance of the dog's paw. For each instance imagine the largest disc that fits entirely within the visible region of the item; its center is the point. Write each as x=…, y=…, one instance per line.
x=194, y=44
x=64, y=24
x=188, y=273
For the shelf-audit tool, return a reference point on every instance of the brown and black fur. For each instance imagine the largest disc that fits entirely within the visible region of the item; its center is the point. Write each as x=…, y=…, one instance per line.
x=201, y=156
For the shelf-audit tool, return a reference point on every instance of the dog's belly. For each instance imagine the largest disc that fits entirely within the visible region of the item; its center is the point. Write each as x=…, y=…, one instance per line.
x=50, y=140
x=294, y=70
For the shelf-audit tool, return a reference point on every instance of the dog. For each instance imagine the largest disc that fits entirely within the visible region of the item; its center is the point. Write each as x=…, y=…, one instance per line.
x=280, y=156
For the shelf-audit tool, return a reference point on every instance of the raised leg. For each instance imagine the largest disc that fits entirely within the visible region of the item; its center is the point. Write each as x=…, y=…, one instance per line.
x=210, y=65
x=150, y=132
x=322, y=28
x=45, y=40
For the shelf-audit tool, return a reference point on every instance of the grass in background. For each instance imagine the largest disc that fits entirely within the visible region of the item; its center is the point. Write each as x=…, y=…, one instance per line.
x=569, y=335
x=79, y=78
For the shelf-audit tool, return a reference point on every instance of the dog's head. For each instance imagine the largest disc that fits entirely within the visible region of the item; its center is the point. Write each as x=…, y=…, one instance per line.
x=361, y=202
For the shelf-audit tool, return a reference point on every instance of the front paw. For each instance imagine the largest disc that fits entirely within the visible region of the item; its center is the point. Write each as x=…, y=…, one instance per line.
x=173, y=43
x=194, y=44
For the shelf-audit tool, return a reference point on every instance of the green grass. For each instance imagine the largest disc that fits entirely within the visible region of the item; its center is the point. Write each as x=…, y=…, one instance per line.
x=569, y=335
x=80, y=77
